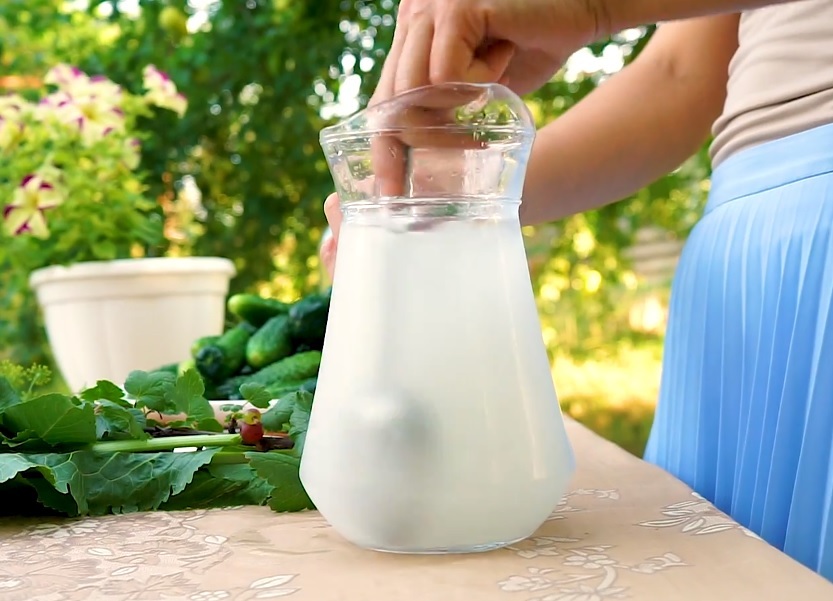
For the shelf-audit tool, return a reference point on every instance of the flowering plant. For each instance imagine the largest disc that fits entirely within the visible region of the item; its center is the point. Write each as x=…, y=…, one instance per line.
x=70, y=188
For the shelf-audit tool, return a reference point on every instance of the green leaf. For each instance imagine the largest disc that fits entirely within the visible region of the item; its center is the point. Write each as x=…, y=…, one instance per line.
x=114, y=421
x=8, y=395
x=299, y=421
x=281, y=471
x=187, y=398
x=49, y=497
x=12, y=464
x=106, y=391
x=278, y=415
x=101, y=483
x=221, y=486
x=53, y=418
x=50, y=481
x=256, y=394
x=152, y=390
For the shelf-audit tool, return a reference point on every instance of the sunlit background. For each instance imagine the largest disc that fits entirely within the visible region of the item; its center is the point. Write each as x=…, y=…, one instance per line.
x=242, y=174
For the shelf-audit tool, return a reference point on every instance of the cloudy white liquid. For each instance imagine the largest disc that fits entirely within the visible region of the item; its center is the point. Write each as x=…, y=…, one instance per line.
x=436, y=425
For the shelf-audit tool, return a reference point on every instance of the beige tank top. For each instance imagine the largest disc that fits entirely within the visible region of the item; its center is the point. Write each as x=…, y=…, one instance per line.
x=780, y=79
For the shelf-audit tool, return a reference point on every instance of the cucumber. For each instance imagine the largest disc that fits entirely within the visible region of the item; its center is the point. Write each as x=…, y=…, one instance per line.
x=292, y=370
x=270, y=343
x=308, y=321
x=170, y=368
x=184, y=366
x=199, y=343
x=227, y=355
x=230, y=389
x=255, y=309
x=284, y=387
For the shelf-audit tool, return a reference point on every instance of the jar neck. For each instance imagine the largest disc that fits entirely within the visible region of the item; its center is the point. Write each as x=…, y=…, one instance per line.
x=428, y=210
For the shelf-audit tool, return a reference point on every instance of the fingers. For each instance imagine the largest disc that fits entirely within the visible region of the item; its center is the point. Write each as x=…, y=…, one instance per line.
x=412, y=70
x=386, y=86
x=460, y=32
x=332, y=210
x=435, y=41
x=327, y=253
x=386, y=151
x=328, y=256
x=491, y=62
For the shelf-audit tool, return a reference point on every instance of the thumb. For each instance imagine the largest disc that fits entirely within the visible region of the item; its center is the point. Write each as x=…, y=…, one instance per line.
x=328, y=256
x=332, y=210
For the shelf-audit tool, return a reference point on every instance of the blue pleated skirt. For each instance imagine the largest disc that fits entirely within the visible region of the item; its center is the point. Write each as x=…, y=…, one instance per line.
x=745, y=414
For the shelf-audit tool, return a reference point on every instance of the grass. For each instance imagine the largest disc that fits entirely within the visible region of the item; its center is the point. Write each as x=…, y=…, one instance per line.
x=613, y=396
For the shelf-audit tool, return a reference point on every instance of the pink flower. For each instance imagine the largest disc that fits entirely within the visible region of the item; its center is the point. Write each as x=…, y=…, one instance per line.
x=94, y=116
x=64, y=76
x=25, y=213
x=74, y=82
x=162, y=92
x=92, y=104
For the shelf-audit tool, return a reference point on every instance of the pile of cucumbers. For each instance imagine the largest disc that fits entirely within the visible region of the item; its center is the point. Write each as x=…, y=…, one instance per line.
x=272, y=343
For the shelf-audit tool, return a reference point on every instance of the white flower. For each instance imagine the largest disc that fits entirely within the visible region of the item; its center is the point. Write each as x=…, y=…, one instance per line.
x=515, y=584
x=25, y=213
x=162, y=92
x=589, y=561
x=132, y=153
x=65, y=76
x=11, y=131
x=92, y=104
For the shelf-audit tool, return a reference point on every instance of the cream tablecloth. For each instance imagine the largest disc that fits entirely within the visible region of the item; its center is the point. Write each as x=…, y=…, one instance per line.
x=626, y=530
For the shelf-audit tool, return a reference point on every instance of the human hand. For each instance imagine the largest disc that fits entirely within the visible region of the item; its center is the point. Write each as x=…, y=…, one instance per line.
x=519, y=43
x=332, y=210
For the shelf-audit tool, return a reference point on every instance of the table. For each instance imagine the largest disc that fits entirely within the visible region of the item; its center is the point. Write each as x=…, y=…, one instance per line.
x=626, y=530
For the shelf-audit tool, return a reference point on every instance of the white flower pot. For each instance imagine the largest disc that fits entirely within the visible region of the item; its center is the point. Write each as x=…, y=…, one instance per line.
x=105, y=319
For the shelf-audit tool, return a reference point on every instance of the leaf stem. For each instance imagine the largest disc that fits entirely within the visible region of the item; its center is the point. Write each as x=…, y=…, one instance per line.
x=166, y=444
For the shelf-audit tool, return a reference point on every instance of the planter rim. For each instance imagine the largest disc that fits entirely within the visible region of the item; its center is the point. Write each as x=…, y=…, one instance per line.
x=131, y=267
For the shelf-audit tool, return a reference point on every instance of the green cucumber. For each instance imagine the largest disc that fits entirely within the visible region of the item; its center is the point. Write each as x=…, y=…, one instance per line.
x=230, y=389
x=255, y=309
x=292, y=370
x=184, y=366
x=170, y=368
x=199, y=343
x=227, y=355
x=270, y=343
x=308, y=321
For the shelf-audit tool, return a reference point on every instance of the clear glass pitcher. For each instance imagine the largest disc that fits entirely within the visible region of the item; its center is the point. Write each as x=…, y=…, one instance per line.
x=435, y=425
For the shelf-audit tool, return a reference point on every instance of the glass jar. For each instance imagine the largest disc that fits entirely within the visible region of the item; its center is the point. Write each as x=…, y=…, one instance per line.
x=435, y=425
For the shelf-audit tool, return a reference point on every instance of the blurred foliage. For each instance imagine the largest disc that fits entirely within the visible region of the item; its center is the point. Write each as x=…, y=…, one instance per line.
x=262, y=77
x=613, y=395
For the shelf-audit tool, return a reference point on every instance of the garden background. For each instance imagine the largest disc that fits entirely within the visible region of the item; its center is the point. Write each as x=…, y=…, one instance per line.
x=242, y=175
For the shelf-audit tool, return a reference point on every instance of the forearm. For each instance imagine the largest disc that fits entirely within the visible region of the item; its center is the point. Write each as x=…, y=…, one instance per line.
x=629, y=132
x=616, y=15
x=636, y=127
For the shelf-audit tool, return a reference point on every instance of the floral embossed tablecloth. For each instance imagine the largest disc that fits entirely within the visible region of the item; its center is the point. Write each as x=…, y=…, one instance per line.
x=625, y=531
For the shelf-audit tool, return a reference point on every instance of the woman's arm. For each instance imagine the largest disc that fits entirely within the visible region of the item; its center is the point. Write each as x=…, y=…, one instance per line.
x=637, y=126
x=616, y=15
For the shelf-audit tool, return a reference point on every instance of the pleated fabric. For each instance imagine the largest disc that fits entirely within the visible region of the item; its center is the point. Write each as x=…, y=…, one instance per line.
x=745, y=414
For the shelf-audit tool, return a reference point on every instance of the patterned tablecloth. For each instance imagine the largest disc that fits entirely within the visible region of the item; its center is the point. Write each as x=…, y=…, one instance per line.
x=626, y=530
